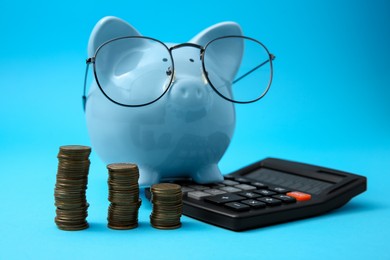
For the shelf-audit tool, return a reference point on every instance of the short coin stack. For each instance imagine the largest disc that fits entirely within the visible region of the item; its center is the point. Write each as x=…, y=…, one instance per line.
x=124, y=195
x=71, y=184
x=167, y=206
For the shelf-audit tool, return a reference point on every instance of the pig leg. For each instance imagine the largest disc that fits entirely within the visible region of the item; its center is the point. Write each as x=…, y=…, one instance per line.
x=208, y=174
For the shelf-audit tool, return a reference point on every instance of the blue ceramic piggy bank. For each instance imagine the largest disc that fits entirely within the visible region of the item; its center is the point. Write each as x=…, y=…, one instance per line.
x=153, y=104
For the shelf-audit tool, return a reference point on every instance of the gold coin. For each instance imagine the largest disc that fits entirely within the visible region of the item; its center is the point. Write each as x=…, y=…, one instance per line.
x=166, y=188
x=117, y=167
x=166, y=227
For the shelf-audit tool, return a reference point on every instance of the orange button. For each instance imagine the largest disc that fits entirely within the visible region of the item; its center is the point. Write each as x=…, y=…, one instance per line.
x=300, y=196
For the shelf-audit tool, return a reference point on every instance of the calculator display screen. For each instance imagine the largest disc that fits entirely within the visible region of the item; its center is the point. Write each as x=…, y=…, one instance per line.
x=291, y=181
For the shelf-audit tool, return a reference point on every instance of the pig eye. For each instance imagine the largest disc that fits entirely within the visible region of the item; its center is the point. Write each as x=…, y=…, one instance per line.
x=192, y=60
x=165, y=60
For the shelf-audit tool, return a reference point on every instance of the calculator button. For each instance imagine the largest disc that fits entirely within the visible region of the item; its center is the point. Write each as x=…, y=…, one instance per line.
x=270, y=201
x=198, y=187
x=185, y=189
x=265, y=192
x=279, y=190
x=230, y=189
x=217, y=185
x=230, y=183
x=286, y=199
x=300, y=196
x=215, y=191
x=242, y=180
x=259, y=185
x=254, y=204
x=237, y=206
x=249, y=194
x=224, y=198
x=245, y=187
x=229, y=177
x=198, y=195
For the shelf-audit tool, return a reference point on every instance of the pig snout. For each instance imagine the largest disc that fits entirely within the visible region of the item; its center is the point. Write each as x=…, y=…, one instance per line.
x=190, y=93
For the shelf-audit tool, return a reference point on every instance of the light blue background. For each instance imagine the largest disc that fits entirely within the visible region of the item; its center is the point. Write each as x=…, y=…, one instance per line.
x=328, y=105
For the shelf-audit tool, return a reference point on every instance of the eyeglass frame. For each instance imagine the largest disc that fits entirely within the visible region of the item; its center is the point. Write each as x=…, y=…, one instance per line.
x=170, y=49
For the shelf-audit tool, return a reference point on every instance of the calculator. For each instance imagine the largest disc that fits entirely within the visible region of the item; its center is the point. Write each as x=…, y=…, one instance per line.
x=269, y=192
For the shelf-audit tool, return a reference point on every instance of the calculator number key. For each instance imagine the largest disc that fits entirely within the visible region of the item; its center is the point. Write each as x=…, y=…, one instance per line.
x=198, y=195
x=230, y=189
x=224, y=198
x=230, y=182
x=185, y=189
x=254, y=204
x=286, y=199
x=249, y=194
x=198, y=187
x=259, y=185
x=243, y=180
x=214, y=191
x=265, y=192
x=279, y=190
x=245, y=187
x=270, y=201
x=237, y=206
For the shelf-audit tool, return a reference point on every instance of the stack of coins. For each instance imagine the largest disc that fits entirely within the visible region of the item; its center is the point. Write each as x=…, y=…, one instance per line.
x=71, y=184
x=167, y=206
x=124, y=195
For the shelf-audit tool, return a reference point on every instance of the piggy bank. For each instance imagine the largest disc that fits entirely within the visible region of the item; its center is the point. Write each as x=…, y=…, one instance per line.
x=181, y=134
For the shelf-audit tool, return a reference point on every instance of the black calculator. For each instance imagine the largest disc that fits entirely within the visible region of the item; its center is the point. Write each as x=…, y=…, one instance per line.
x=269, y=192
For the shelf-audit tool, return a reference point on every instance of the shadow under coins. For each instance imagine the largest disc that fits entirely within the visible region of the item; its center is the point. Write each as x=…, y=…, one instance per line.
x=187, y=226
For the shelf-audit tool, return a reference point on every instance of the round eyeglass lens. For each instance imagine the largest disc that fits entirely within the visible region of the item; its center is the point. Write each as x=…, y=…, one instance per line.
x=133, y=71
x=238, y=68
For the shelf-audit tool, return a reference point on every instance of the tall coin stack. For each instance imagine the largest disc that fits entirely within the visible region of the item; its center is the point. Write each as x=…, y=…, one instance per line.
x=124, y=195
x=167, y=206
x=71, y=184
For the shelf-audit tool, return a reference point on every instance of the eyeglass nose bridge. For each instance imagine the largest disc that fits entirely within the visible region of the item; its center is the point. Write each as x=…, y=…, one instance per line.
x=186, y=44
x=182, y=45
x=189, y=44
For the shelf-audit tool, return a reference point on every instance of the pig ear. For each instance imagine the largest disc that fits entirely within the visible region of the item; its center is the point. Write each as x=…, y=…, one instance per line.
x=225, y=55
x=215, y=31
x=106, y=29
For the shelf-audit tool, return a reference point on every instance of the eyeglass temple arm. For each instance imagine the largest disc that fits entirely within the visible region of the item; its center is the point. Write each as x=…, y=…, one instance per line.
x=84, y=97
x=272, y=57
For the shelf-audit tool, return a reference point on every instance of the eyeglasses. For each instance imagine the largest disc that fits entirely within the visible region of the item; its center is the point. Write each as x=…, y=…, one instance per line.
x=136, y=71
